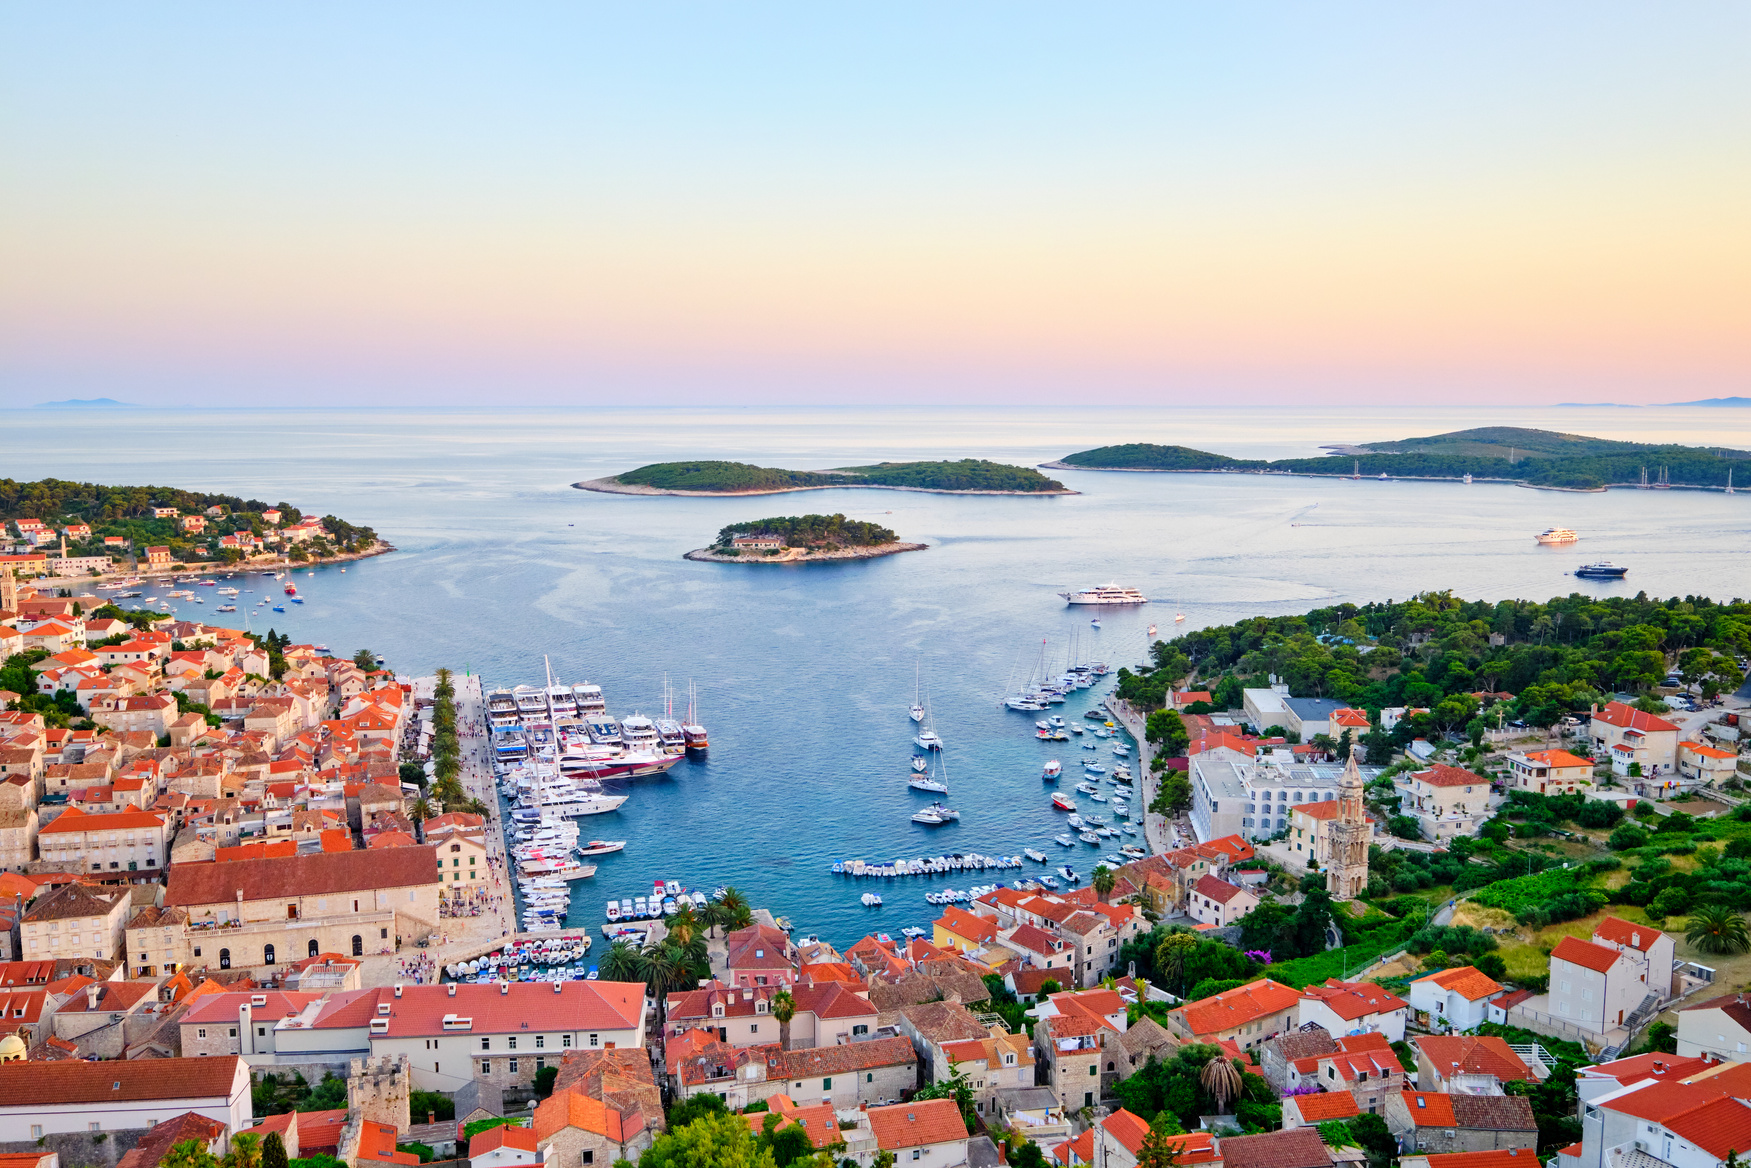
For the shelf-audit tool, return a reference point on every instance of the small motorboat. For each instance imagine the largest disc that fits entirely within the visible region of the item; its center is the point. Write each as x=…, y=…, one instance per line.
x=1052, y=770
x=1063, y=802
x=1122, y=750
x=1088, y=788
x=1094, y=768
x=1048, y=882
x=1097, y=796
x=920, y=763
x=1066, y=839
x=600, y=847
x=1077, y=822
x=1056, y=722
x=871, y=900
x=935, y=815
x=1069, y=873
x=1095, y=623
x=1036, y=857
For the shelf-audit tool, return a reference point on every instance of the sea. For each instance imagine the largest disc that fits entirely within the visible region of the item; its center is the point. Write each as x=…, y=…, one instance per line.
x=803, y=673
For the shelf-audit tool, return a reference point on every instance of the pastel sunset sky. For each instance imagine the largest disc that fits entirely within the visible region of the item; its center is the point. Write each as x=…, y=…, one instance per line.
x=958, y=202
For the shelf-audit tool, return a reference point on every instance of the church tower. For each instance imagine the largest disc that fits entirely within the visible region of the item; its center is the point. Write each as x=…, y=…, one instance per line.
x=1347, y=873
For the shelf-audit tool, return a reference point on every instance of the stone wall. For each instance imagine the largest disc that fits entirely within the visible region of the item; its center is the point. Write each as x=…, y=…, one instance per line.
x=83, y=1149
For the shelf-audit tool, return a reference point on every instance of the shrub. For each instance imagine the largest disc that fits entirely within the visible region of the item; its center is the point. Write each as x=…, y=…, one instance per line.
x=1627, y=837
x=1670, y=902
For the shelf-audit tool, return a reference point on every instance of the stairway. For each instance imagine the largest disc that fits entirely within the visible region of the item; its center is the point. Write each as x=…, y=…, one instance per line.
x=1649, y=1007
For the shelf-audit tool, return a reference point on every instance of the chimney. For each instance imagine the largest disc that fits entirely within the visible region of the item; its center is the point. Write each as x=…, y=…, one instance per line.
x=452, y=989
x=558, y=987
x=398, y=989
x=504, y=988
x=92, y=993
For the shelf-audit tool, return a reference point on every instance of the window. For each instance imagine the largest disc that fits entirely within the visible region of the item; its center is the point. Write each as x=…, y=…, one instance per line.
x=540, y=1041
x=540, y=1065
x=1094, y=1068
x=486, y=1066
x=94, y=1126
x=565, y=1040
x=313, y=947
x=486, y=1044
x=869, y=1077
x=197, y=949
x=383, y=933
x=513, y=1066
x=224, y=959
x=592, y=1040
x=914, y=1153
x=267, y=954
x=36, y=1131
x=511, y=1042
x=826, y=1084
x=201, y=1033
x=261, y=1031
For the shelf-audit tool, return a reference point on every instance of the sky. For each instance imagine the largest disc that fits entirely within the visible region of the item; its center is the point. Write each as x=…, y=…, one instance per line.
x=977, y=203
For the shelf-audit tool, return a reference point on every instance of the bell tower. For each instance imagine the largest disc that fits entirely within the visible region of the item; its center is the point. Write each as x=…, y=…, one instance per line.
x=1347, y=875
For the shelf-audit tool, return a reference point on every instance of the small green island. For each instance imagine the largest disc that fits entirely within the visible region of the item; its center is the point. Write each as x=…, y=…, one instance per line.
x=967, y=476
x=1510, y=454
x=795, y=539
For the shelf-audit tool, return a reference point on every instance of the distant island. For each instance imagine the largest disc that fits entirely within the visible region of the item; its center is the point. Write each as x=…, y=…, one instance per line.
x=93, y=529
x=968, y=476
x=1717, y=401
x=1533, y=458
x=802, y=538
x=86, y=403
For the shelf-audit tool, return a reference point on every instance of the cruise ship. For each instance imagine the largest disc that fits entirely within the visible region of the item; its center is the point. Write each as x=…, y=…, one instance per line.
x=1105, y=594
x=1557, y=535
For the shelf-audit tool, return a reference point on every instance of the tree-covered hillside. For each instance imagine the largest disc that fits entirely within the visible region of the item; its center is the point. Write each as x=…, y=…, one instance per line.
x=1542, y=458
x=58, y=501
x=1434, y=651
x=812, y=531
x=967, y=474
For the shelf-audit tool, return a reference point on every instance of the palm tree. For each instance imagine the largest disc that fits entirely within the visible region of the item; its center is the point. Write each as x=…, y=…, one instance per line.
x=1716, y=928
x=1221, y=1081
x=684, y=925
x=736, y=905
x=421, y=810
x=664, y=969
x=714, y=916
x=783, y=1009
x=245, y=1151
x=1104, y=881
x=1170, y=958
x=623, y=962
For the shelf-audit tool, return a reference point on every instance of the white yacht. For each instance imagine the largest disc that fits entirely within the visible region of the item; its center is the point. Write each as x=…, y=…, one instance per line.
x=935, y=815
x=1105, y=594
x=927, y=783
x=927, y=739
x=640, y=734
x=1557, y=535
x=588, y=700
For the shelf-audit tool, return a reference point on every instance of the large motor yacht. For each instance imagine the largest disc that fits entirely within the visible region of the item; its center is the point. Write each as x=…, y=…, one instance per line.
x=1556, y=535
x=1105, y=594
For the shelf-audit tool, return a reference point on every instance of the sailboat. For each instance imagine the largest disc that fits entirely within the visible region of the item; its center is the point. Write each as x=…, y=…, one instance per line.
x=691, y=730
x=916, y=713
x=928, y=782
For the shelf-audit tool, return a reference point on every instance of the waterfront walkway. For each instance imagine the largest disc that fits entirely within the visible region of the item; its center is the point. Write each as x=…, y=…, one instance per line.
x=1156, y=829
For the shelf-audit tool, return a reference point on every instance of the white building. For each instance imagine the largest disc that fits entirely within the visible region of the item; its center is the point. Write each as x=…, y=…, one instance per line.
x=1454, y=999
x=40, y=1099
x=1234, y=794
x=1595, y=987
x=1346, y=1008
x=116, y=841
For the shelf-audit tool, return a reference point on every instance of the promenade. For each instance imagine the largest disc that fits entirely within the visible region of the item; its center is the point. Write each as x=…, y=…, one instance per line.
x=1157, y=831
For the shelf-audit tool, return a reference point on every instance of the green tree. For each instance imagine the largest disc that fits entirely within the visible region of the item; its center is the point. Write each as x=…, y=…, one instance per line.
x=189, y=1154
x=273, y=1151
x=1103, y=881
x=1159, y=1150
x=245, y=1151
x=544, y=1079
x=692, y=1108
x=1716, y=928
x=1221, y=1080
x=1174, y=795
x=717, y=1140
x=1170, y=958
x=957, y=1087
x=1166, y=731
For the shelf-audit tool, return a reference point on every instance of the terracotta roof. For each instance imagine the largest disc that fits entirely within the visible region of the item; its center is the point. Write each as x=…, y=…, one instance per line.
x=966, y=925
x=1485, y=1055
x=1557, y=758
x=831, y=1000
x=160, y=1138
x=1658, y=1102
x=1652, y=1065
x=1215, y=889
x=916, y=1124
x=578, y=1005
x=943, y=1021
x=1584, y=953
x=1237, y=1007
x=1442, y=775
x=1630, y=718
x=73, y=819
x=1467, y=981
x=117, y=1081
x=1718, y=1126
x=503, y=1136
x=1353, y=1000
x=1483, y=1112
x=313, y=875
x=1622, y=932
x=72, y=901
x=1298, y=1148
x=845, y=1058
x=377, y=1145
x=1326, y=1105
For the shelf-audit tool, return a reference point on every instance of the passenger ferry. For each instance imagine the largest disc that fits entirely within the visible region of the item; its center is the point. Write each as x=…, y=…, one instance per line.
x=1556, y=535
x=1105, y=594
x=1603, y=570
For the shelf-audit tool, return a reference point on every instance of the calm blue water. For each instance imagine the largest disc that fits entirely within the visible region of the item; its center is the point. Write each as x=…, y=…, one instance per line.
x=805, y=673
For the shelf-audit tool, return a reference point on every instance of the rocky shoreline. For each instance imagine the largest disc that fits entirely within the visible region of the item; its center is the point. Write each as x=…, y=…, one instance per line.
x=211, y=567
x=613, y=486
x=804, y=556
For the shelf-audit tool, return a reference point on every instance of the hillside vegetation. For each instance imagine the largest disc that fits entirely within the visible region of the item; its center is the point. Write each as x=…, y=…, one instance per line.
x=967, y=474
x=1543, y=458
x=1433, y=651
x=812, y=531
